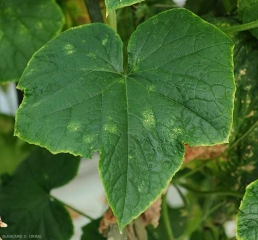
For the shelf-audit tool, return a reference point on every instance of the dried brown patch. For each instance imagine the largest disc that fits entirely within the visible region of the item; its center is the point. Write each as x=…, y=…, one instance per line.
x=203, y=153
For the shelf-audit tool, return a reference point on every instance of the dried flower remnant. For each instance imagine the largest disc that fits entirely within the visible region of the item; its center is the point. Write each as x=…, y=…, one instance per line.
x=136, y=229
x=152, y=214
x=2, y=224
x=133, y=231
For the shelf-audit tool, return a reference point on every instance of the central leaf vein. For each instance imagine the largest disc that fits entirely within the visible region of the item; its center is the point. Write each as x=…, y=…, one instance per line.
x=127, y=122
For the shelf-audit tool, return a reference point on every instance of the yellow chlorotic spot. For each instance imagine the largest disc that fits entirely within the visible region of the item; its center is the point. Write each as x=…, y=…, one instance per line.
x=110, y=128
x=39, y=25
x=73, y=126
x=148, y=119
x=152, y=88
x=91, y=55
x=104, y=41
x=88, y=139
x=69, y=49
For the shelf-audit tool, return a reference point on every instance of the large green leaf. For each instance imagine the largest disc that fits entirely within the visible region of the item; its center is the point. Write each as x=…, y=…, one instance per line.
x=247, y=226
x=247, y=11
x=12, y=149
x=179, y=89
x=115, y=4
x=25, y=203
x=25, y=26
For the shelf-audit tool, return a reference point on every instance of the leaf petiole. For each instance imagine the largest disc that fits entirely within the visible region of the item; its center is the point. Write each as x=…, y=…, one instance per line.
x=188, y=174
x=239, y=28
x=243, y=136
x=112, y=20
x=165, y=5
x=183, y=197
x=216, y=192
x=165, y=216
x=213, y=209
x=72, y=208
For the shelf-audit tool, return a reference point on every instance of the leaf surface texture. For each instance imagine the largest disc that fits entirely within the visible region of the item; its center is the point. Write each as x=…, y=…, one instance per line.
x=179, y=89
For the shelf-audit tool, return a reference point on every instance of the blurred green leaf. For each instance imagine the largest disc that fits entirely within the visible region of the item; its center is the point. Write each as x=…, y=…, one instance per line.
x=25, y=26
x=214, y=7
x=75, y=12
x=201, y=7
x=90, y=231
x=209, y=233
x=12, y=149
x=247, y=11
x=25, y=203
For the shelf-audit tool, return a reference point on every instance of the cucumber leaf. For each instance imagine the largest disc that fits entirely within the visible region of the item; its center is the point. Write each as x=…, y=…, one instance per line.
x=25, y=26
x=25, y=203
x=179, y=89
x=247, y=225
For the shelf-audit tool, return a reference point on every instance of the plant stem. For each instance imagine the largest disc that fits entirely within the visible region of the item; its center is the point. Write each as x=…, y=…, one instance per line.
x=243, y=136
x=94, y=10
x=184, y=198
x=74, y=209
x=165, y=5
x=188, y=174
x=112, y=20
x=242, y=27
x=213, y=209
x=217, y=192
x=164, y=214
